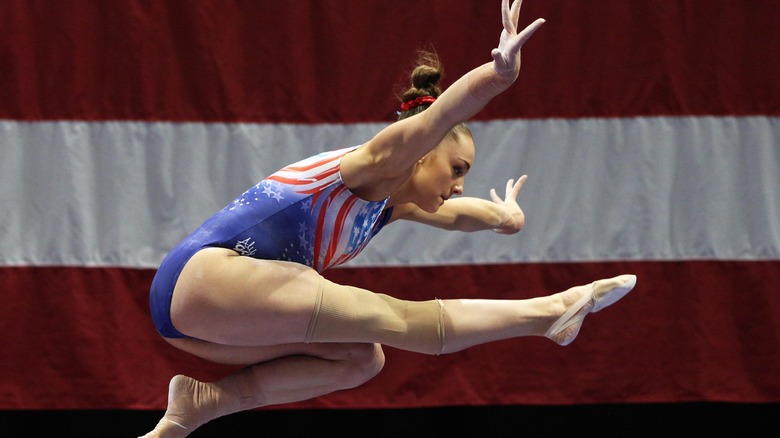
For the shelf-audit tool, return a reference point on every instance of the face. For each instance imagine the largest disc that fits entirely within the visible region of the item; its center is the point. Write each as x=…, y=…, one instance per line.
x=441, y=173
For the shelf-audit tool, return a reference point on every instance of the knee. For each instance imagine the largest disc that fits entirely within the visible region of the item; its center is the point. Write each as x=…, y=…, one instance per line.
x=365, y=362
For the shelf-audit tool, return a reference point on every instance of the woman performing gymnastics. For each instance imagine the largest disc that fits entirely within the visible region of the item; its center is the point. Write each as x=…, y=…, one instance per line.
x=246, y=288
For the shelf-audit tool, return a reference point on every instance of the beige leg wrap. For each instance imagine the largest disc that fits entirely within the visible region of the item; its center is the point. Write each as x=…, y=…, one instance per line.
x=351, y=314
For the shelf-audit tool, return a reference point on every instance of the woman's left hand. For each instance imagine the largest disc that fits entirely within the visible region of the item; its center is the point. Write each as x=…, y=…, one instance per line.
x=506, y=57
x=513, y=217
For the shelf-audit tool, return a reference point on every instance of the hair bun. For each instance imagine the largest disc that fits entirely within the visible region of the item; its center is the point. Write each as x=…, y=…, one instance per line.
x=424, y=85
x=425, y=77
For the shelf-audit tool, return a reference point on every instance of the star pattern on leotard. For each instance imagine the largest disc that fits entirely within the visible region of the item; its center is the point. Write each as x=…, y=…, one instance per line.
x=268, y=191
x=362, y=229
x=256, y=193
x=305, y=238
x=303, y=214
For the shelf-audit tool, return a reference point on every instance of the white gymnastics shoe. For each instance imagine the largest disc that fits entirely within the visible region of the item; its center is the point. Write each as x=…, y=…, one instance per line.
x=603, y=293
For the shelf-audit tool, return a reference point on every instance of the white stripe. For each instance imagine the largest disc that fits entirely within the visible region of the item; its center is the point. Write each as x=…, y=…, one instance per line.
x=667, y=188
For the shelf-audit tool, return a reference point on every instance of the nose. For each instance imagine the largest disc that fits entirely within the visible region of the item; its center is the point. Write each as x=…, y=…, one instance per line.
x=457, y=189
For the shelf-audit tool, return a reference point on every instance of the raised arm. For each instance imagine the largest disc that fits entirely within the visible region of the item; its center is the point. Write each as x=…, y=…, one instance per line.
x=390, y=155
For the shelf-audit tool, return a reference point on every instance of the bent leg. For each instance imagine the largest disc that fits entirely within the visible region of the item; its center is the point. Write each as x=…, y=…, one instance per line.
x=301, y=372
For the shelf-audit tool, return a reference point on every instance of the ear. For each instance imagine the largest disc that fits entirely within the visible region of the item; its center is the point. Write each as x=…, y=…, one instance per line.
x=419, y=165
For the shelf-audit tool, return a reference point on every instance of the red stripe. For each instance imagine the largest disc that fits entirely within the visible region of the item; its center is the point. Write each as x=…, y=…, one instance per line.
x=304, y=181
x=308, y=179
x=289, y=181
x=326, y=173
x=320, y=225
x=338, y=229
x=344, y=258
x=81, y=338
x=313, y=165
x=262, y=61
x=299, y=182
x=320, y=177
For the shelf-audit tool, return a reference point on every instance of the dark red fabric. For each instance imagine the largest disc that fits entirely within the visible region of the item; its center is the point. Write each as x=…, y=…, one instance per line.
x=82, y=338
x=337, y=60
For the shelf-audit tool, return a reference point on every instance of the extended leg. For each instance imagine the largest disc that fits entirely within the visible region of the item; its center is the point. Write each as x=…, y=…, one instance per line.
x=233, y=300
x=446, y=326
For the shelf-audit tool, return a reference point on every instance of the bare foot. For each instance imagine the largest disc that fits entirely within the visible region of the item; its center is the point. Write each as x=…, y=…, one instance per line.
x=183, y=413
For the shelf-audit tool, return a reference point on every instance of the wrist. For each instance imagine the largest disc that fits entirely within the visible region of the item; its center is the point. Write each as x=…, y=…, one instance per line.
x=486, y=82
x=502, y=219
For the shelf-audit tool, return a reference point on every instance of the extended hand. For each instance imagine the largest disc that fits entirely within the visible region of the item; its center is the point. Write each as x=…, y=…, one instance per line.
x=514, y=216
x=506, y=58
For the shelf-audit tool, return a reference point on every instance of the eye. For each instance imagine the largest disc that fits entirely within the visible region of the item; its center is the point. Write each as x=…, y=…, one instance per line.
x=459, y=170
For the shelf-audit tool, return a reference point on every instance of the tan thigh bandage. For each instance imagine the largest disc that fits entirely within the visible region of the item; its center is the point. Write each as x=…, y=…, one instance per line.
x=351, y=314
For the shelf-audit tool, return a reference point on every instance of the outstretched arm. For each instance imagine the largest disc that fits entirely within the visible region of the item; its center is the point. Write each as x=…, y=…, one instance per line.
x=390, y=155
x=504, y=216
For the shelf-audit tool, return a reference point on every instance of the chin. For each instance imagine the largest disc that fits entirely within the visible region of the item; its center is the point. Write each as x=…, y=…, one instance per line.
x=434, y=208
x=429, y=208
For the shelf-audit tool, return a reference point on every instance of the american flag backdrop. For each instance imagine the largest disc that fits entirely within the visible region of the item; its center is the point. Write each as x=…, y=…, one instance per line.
x=649, y=131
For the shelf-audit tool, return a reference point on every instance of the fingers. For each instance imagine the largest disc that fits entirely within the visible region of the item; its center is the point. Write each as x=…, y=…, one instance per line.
x=516, y=43
x=529, y=30
x=498, y=59
x=510, y=15
x=506, y=56
x=507, y=17
x=514, y=13
x=494, y=196
x=520, y=182
x=513, y=188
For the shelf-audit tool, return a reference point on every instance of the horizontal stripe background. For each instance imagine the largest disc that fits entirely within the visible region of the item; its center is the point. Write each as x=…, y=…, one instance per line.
x=670, y=188
x=648, y=129
x=693, y=331
x=335, y=61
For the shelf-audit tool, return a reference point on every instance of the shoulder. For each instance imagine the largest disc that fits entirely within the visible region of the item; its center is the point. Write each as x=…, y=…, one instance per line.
x=367, y=174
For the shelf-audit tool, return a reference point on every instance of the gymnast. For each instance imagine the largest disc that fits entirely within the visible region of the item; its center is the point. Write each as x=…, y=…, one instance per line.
x=245, y=288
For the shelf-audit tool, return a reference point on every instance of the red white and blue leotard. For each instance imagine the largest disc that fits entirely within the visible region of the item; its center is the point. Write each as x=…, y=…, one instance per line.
x=303, y=213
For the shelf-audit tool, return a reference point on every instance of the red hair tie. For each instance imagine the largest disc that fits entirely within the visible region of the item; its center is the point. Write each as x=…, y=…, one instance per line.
x=422, y=100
